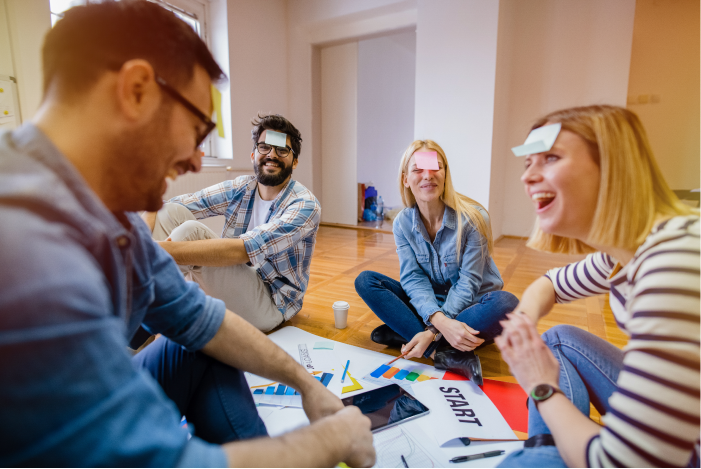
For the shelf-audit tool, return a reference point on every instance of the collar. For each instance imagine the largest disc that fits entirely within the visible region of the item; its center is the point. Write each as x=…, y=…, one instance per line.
x=29, y=139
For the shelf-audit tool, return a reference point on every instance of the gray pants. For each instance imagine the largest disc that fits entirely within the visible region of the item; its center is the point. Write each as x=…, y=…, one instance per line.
x=239, y=286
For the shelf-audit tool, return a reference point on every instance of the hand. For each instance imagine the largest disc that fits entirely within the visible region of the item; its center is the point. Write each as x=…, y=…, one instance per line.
x=318, y=402
x=529, y=358
x=351, y=430
x=458, y=334
x=418, y=344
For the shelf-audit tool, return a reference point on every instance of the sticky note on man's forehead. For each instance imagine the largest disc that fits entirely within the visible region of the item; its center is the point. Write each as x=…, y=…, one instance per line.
x=426, y=160
x=539, y=140
x=275, y=138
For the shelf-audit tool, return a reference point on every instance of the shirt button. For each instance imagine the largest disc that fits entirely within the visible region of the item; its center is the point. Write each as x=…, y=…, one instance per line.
x=123, y=242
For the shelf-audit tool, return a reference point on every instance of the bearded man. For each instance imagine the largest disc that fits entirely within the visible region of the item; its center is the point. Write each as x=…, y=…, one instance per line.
x=260, y=265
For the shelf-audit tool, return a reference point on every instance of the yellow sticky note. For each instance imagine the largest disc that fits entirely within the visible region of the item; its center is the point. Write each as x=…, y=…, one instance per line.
x=216, y=101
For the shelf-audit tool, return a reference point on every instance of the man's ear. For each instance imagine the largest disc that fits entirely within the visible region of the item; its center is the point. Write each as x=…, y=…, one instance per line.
x=138, y=94
x=294, y=163
x=253, y=157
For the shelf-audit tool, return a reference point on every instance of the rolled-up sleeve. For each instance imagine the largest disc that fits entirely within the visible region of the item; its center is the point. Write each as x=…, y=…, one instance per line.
x=413, y=279
x=299, y=218
x=208, y=202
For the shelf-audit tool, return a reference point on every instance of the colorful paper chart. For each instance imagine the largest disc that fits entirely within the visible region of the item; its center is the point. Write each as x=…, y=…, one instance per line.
x=416, y=373
x=279, y=394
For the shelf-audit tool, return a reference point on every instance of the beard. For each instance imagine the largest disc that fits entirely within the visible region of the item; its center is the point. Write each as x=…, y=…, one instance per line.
x=272, y=179
x=140, y=160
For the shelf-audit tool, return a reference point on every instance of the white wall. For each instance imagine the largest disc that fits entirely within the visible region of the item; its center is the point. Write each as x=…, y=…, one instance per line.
x=339, y=118
x=456, y=47
x=314, y=23
x=28, y=21
x=552, y=54
x=257, y=69
x=665, y=63
x=386, y=78
x=6, y=67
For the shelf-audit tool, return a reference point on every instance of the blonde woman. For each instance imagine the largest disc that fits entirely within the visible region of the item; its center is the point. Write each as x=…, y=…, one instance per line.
x=448, y=300
x=599, y=190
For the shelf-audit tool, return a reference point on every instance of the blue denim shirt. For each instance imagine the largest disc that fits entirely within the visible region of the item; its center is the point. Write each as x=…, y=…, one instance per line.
x=432, y=274
x=75, y=285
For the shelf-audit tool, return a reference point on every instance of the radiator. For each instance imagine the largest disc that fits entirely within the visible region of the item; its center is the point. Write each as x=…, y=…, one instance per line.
x=208, y=176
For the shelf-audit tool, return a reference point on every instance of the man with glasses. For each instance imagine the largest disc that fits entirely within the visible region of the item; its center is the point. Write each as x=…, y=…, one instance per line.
x=127, y=92
x=260, y=265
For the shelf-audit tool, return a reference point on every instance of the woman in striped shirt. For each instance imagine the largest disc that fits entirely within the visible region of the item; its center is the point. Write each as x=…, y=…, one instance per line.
x=598, y=190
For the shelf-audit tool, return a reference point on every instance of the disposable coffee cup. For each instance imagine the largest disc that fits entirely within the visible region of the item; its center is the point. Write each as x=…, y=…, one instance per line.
x=340, y=314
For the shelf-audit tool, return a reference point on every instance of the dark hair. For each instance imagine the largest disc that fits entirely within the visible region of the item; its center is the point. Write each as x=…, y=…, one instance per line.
x=92, y=39
x=279, y=124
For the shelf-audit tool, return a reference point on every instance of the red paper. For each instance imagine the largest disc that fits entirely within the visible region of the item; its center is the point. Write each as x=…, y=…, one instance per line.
x=510, y=399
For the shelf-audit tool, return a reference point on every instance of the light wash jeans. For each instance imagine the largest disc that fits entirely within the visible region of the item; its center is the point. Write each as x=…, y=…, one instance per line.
x=589, y=368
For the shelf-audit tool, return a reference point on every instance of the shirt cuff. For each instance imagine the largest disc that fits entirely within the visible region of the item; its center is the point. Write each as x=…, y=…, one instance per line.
x=427, y=311
x=255, y=246
x=207, y=325
x=198, y=453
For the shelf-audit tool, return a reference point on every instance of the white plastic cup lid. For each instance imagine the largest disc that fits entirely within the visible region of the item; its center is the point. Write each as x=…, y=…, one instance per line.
x=341, y=305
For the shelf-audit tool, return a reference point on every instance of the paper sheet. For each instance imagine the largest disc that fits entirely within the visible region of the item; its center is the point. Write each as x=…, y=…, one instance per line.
x=460, y=409
x=216, y=102
x=275, y=138
x=426, y=160
x=393, y=443
x=539, y=140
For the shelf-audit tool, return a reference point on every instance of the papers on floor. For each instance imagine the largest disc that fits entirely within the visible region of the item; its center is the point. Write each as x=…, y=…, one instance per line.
x=460, y=409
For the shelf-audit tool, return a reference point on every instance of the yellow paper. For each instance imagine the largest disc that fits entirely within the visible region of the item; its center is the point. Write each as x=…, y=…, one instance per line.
x=423, y=378
x=353, y=387
x=216, y=101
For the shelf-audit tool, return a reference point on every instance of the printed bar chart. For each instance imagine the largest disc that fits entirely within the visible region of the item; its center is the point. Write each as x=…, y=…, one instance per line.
x=412, y=373
x=279, y=394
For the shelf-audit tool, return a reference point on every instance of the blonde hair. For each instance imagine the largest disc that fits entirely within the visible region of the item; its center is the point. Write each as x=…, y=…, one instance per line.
x=465, y=207
x=632, y=190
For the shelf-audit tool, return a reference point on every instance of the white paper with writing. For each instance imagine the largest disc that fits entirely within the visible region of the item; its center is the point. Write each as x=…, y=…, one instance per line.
x=460, y=409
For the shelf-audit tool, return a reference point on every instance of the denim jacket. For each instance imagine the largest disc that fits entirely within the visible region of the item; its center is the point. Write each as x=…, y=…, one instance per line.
x=432, y=274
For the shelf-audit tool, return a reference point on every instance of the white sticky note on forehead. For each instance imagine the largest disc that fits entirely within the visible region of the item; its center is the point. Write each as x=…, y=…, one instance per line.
x=275, y=138
x=539, y=140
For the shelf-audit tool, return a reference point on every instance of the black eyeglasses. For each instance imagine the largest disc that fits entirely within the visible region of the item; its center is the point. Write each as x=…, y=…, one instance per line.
x=209, y=125
x=265, y=149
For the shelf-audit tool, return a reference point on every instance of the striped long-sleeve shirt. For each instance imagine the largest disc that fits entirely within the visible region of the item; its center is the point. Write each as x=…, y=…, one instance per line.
x=654, y=413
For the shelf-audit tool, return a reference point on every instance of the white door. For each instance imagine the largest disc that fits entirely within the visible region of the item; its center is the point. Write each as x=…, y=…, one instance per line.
x=339, y=133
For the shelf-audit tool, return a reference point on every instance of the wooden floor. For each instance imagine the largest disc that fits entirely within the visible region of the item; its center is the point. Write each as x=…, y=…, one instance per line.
x=341, y=254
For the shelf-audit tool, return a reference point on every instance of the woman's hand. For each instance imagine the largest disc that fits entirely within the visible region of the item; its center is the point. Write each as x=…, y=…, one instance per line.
x=458, y=334
x=418, y=344
x=529, y=358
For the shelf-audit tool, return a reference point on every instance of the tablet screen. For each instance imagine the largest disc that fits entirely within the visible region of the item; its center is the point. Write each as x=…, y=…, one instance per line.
x=387, y=406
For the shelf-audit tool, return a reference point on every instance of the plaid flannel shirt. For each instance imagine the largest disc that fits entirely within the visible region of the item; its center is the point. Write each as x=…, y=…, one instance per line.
x=281, y=249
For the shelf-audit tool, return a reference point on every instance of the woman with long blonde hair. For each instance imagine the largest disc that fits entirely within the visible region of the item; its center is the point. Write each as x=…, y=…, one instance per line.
x=448, y=301
x=598, y=190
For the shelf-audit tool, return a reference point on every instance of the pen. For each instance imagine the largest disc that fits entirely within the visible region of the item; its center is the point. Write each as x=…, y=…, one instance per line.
x=345, y=371
x=404, y=461
x=400, y=356
x=472, y=457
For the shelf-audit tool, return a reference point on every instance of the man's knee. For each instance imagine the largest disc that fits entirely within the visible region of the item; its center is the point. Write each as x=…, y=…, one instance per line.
x=191, y=230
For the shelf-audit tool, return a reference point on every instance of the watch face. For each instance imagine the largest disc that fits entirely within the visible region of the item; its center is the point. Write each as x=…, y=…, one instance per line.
x=542, y=392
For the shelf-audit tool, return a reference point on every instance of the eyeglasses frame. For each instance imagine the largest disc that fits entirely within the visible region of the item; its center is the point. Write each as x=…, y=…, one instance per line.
x=274, y=147
x=175, y=94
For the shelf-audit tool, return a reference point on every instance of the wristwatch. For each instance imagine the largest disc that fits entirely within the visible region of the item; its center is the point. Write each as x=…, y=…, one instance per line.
x=543, y=392
x=436, y=333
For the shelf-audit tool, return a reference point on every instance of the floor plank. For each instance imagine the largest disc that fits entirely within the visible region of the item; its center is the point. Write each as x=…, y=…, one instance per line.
x=341, y=254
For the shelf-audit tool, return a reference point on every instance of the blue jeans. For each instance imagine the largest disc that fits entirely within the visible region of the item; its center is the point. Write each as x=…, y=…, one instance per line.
x=388, y=300
x=213, y=396
x=589, y=368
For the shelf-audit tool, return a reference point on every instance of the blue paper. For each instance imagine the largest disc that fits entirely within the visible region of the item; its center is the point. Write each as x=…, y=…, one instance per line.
x=275, y=138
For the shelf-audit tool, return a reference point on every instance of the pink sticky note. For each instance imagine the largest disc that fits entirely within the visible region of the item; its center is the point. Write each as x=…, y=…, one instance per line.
x=426, y=160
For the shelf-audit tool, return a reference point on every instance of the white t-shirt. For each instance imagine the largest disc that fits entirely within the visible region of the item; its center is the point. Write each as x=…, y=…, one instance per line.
x=260, y=212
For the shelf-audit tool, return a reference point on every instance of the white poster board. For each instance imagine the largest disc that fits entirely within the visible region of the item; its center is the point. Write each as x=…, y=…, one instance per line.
x=9, y=104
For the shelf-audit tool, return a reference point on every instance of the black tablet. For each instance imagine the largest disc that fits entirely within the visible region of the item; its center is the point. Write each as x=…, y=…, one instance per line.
x=387, y=406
